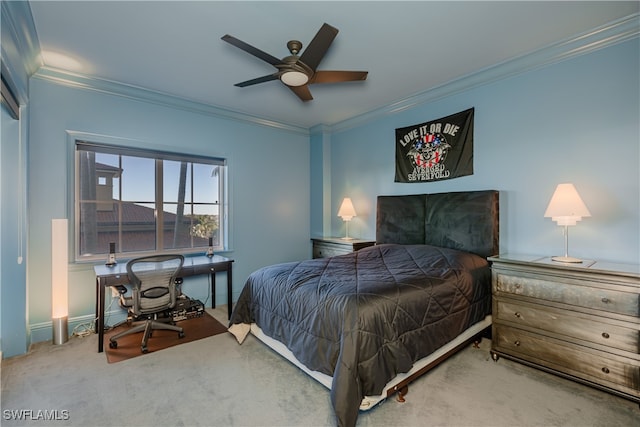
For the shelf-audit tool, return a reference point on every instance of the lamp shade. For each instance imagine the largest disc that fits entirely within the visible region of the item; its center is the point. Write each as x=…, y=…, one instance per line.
x=346, y=211
x=59, y=275
x=566, y=207
x=59, y=280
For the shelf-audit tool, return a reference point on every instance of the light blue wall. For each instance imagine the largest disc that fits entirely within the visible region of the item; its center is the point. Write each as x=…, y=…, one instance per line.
x=575, y=121
x=13, y=292
x=268, y=178
x=18, y=62
x=320, y=171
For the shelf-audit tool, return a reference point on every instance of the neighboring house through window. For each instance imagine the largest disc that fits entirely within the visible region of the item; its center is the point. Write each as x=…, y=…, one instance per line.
x=146, y=201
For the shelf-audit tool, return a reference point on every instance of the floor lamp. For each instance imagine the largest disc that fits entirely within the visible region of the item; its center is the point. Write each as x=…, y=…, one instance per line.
x=59, y=280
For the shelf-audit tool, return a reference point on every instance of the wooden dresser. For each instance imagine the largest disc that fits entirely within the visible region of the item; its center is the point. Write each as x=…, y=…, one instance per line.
x=580, y=321
x=325, y=247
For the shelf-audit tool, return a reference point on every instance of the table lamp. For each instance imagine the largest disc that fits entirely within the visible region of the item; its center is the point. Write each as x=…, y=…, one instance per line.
x=346, y=212
x=566, y=208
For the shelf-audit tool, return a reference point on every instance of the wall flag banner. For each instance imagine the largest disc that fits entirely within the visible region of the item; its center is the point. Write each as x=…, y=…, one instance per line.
x=436, y=150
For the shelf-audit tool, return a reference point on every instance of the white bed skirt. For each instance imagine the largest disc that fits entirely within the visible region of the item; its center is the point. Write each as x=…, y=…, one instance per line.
x=370, y=401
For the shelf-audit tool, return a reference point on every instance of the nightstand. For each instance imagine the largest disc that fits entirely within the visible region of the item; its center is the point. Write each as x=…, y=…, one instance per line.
x=325, y=247
x=579, y=321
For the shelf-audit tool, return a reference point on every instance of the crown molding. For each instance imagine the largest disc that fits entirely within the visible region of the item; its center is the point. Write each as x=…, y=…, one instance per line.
x=20, y=46
x=319, y=129
x=20, y=40
x=615, y=32
x=80, y=81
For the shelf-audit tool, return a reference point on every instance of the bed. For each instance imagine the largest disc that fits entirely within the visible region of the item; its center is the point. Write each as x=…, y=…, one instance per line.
x=367, y=323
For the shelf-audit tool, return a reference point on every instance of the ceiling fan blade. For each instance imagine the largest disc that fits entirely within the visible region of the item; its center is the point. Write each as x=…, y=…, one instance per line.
x=318, y=47
x=303, y=92
x=338, y=76
x=252, y=50
x=255, y=81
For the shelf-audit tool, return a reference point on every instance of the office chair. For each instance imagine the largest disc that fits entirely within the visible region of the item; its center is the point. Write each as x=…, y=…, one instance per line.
x=152, y=279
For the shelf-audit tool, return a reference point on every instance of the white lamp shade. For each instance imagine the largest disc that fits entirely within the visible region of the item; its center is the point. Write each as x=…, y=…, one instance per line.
x=566, y=207
x=346, y=211
x=59, y=269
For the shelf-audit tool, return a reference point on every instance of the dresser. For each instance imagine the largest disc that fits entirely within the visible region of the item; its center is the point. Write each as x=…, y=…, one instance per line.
x=325, y=247
x=580, y=321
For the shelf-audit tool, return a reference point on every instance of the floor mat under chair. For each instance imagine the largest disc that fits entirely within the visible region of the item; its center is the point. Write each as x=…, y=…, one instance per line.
x=129, y=346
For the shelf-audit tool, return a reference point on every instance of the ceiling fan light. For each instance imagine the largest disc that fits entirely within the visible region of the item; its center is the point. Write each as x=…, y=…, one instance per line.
x=294, y=78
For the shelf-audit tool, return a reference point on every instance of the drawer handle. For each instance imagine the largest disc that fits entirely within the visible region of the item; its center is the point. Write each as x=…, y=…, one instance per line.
x=517, y=314
x=605, y=335
x=517, y=343
x=606, y=300
x=605, y=370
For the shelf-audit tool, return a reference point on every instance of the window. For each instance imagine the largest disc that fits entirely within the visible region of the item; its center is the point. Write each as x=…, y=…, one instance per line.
x=146, y=201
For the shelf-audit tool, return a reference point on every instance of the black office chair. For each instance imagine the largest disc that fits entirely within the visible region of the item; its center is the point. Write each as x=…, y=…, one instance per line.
x=153, y=282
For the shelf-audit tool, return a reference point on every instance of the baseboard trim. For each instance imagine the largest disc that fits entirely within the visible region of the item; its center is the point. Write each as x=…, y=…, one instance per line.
x=43, y=331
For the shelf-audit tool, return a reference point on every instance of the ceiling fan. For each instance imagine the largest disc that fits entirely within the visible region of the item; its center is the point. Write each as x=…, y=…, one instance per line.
x=298, y=72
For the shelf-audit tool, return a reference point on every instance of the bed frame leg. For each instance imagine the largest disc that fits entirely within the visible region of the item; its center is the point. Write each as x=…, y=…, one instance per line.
x=478, y=338
x=402, y=392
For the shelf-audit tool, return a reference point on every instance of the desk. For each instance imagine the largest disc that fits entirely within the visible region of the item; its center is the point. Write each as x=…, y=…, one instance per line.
x=193, y=266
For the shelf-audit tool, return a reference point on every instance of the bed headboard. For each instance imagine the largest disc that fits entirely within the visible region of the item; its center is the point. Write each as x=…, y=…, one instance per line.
x=466, y=220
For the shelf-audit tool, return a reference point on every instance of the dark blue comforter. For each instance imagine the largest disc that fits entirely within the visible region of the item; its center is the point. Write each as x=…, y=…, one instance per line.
x=364, y=317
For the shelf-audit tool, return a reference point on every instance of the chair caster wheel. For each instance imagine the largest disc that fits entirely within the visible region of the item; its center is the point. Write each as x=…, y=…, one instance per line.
x=180, y=334
x=144, y=349
x=113, y=344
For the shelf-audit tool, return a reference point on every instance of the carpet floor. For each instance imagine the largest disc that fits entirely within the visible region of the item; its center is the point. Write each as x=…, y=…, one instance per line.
x=215, y=382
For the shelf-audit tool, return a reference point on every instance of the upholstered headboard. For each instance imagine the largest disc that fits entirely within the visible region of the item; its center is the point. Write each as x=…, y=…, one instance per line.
x=465, y=220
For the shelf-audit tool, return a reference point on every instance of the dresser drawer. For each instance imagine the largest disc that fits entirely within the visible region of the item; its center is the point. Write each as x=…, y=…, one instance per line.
x=332, y=246
x=598, y=367
x=610, y=300
x=595, y=329
x=326, y=250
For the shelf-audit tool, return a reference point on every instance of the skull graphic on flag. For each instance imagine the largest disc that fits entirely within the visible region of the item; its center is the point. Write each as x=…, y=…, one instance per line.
x=429, y=150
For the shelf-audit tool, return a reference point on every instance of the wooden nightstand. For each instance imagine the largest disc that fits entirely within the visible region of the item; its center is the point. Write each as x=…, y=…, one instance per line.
x=579, y=321
x=325, y=247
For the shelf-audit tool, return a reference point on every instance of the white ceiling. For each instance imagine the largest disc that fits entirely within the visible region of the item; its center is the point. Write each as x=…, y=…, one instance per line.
x=174, y=47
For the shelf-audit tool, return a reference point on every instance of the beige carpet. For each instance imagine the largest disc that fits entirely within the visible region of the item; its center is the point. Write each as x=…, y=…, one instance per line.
x=130, y=346
x=215, y=382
